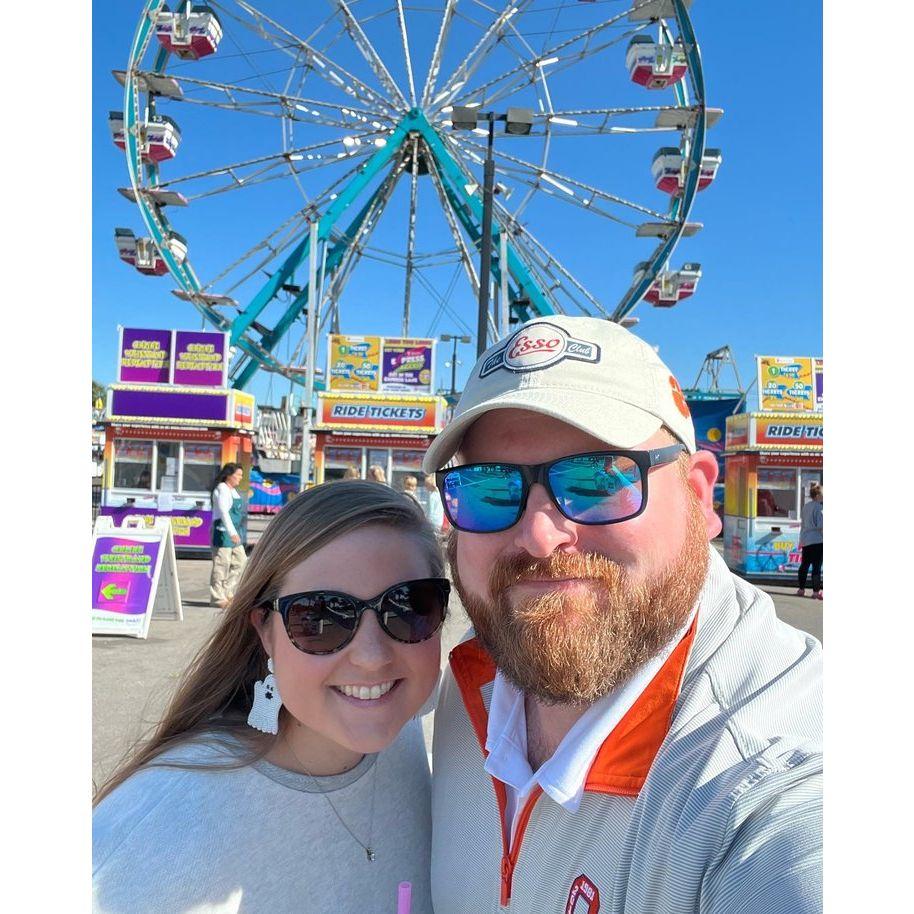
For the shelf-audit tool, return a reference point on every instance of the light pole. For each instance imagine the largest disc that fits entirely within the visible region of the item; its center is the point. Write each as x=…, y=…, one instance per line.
x=518, y=122
x=446, y=338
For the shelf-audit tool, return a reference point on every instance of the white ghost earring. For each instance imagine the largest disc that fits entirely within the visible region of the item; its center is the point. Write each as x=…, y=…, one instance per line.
x=267, y=702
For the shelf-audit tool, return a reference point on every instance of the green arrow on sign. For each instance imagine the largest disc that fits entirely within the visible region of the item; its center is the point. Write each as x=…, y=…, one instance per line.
x=110, y=591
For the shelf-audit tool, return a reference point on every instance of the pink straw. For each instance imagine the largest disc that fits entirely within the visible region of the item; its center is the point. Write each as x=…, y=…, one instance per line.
x=404, y=897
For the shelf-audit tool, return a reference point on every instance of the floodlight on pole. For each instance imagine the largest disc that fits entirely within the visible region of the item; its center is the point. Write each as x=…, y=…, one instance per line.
x=446, y=338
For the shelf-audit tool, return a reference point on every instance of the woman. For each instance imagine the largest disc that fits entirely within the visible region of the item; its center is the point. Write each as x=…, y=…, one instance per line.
x=325, y=805
x=229, y=557
x=376, y=473
x=811, y=542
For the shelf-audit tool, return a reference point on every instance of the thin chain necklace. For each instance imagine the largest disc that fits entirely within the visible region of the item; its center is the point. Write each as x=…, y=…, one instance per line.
x=369, y=853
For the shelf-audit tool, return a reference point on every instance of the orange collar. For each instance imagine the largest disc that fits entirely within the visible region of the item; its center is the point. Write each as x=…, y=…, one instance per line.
x=623, y=761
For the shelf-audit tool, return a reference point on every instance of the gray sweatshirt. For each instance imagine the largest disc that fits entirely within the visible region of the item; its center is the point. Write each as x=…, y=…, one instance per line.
x=811, y=523
x=263, y=840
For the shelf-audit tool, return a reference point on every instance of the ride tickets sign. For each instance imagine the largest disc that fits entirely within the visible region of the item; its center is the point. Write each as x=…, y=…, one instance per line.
x=144, y=356
x=786, y=384
x=784, y=432
x=380, y=413
x=407, y=365
x=353, y=362
x=200, y=358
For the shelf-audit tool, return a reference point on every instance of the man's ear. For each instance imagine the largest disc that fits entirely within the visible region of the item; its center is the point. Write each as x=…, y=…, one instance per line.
x=701, y=478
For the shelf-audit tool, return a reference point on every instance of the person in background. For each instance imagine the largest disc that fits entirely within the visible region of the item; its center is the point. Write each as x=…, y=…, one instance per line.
x=411, y=488
x=289, y=773
x=229, y=557
x=434, y=510
x=811, y=542
x=376, y=474
x=351, y=473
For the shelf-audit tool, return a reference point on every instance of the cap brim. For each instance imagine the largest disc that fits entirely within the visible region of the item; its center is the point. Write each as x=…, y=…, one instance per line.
x=614, y=422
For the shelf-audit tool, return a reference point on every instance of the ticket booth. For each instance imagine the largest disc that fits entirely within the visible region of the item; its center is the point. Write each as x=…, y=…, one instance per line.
x=360, y=430
x=771, y=460
x=169, y=431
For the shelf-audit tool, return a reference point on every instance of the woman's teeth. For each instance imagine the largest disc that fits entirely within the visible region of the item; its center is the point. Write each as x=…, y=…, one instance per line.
x=366, y=693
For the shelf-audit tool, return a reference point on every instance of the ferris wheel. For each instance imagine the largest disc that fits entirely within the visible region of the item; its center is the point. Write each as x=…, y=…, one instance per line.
x=284, y=134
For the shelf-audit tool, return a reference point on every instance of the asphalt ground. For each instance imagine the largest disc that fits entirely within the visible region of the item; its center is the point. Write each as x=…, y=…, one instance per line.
x=132, y=679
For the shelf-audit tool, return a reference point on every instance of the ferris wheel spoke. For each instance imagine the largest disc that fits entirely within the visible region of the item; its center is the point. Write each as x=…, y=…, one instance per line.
x=410, y=233
x=300, y=153
x=372, y=58
x=557, y=58
x=298, y=107
x=478, y=55
x=320, y=63
x=293, y=225
x=548, y=260
x=459, y=239
x=447, y=17
x=565, y=183
x=404, y=38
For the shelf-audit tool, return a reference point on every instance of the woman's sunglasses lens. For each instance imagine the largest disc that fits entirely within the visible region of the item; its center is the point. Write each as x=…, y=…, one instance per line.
x=415, y=611
x=483, y=498
x=320, y=625
x=597, y=488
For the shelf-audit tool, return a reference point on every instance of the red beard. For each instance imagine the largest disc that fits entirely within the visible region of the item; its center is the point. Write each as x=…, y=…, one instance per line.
x=573, y=647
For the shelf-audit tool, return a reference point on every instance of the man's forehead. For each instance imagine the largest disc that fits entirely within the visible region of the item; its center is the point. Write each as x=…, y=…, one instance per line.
x=523, y=436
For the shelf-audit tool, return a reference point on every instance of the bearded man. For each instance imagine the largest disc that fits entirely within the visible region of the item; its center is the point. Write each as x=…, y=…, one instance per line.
x=631, y=729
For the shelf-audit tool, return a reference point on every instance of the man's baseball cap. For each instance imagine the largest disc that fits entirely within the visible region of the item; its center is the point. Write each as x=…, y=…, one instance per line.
x=591, y=373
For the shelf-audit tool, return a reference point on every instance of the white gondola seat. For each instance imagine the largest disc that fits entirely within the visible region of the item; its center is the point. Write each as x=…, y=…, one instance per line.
x=191, y=35
x=667, y=169
x=653, y=65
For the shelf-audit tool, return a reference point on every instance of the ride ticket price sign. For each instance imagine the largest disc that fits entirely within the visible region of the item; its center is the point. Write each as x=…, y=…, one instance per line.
x=134, y=575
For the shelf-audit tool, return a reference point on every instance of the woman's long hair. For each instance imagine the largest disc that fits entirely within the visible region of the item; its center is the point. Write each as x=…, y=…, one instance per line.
x=215, y=693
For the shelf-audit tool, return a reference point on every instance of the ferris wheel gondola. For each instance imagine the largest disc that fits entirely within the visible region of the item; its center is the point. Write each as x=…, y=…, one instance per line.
x=355, y=124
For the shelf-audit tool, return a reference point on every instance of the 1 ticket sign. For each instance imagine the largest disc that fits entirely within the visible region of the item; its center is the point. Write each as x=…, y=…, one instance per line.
x=144, y=356
x=786, y=384
x=134, y=577
x=200, y=359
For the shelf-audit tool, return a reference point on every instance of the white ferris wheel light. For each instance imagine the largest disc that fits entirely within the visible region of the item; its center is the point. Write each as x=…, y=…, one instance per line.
x=567, y=121
x=348, y=141
x=547, y=61
x=380, y=142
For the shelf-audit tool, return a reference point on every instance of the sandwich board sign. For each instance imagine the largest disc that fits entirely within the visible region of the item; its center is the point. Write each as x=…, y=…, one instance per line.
x=134, y=577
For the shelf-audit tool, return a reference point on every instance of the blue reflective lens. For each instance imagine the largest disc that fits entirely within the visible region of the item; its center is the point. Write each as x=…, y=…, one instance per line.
x=596, y=488
x=483, y=498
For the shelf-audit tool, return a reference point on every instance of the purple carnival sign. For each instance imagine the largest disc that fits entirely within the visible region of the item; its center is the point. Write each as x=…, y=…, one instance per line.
x=122, y=572
x=406, y=365
x=169, y=404
x=200, y=359
x=144, y=357
x=192, y=528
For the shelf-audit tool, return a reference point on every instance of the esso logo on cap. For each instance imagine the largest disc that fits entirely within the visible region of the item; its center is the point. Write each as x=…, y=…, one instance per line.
x=536, y=347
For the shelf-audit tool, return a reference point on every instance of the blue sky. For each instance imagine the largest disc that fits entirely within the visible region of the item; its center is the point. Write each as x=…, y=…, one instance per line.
x=760, y=248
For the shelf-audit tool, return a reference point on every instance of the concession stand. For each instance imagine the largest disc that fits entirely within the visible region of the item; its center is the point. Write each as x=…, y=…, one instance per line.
x=359, y=430
x=772, y=456
x=170, y=425
x=379, y=408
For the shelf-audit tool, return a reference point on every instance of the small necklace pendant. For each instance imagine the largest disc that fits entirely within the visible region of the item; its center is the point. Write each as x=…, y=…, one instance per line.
x=370, y=854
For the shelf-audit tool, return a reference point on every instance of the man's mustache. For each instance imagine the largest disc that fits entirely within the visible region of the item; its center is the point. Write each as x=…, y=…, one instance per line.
x=520, y=567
